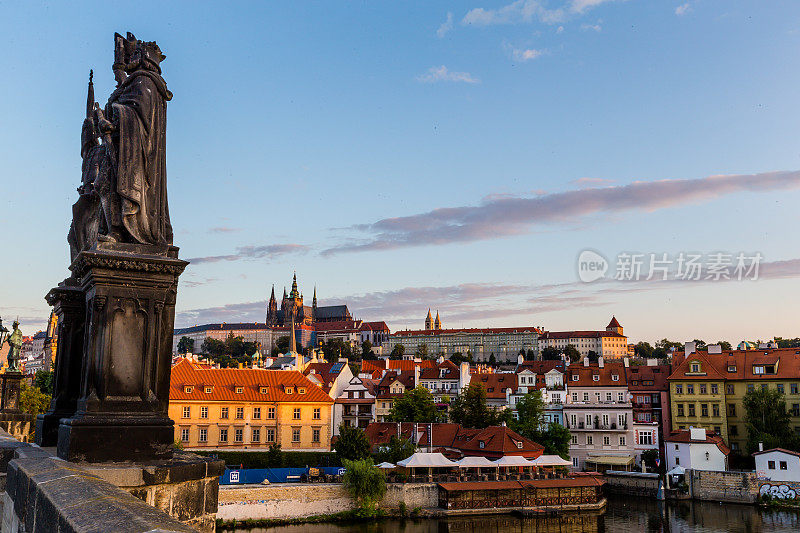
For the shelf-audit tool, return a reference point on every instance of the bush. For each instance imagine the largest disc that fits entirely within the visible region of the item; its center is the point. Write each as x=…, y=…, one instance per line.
x=365, y=482
x=275, y=458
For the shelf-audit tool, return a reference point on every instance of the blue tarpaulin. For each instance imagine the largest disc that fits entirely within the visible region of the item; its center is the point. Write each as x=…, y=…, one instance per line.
x=241, y=476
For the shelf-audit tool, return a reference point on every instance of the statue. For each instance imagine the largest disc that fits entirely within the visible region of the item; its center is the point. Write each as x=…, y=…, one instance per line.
x=123, y=191
x=15, y=347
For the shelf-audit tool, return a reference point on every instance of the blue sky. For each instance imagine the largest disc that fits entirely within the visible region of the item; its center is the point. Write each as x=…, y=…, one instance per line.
x=452, y=155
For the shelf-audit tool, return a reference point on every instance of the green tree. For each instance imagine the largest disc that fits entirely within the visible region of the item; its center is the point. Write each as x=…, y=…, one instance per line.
x=649, y=459
x=664, y=347
x=366, y=348
x=572, y=353
x=471, y=411
x=43, y=380
x=551, y=353
x=643, y=349
x=397, y=352
x=275, y=456
x=700, y=344
x=421, y=351
x=396, y=450
x=767, y=420
x=186, y=345
x=724, y=345
x=352, y=443
x=592, y=356
x=32, y=400
x=459, y=358
x=364, y=481
x=555, y=439
x=787, y=343
x=492, y=359
x=530, y=414
x=415, y=405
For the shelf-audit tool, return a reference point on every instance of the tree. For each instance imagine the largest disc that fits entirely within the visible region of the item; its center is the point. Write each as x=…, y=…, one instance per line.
x=664, y=347
x=459, y=358
x=530, y=414
x=336, y=348
x=396, y=450
x=592, y=356
x=768, y=421
x=492, y=359
x=397, y=352
x=352, y=443
x=555, y=439
x=572, y=353
x=649, y=458
x=700, y=344
x=421, y=351
x=32, y=400
x=415, y=405
x=551, y=353
x=186, y=345
x=364, y=481
x=643, y=350
x=366, y=348
x=471, y=411
x=787, y=343
x=43, y=380
x=724, y=345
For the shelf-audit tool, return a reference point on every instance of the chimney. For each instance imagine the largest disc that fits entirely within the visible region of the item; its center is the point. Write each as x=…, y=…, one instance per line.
x=697, y=433
x=585, y=361
x=464, y=376
x=520, y=359
x=600, y=362
x=761, y=446
x=626, y=361
x=416, y=375
x=714, y=348
x=241, y=366
x=690, y=348
x=652, y=362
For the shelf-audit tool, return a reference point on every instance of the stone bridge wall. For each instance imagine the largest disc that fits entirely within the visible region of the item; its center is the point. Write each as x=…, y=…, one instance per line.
x=290, y=500
x=739, y=487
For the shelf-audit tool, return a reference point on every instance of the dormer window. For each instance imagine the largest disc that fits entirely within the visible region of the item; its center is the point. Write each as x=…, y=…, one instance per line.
x=289, y=390
x=731, y=368
x=575, y=377
x=264, y=390
x=614, y=377
x=208, y=390
x=595, y=377
x=481, y=444
x=519, y=444
x=301, y=391
x=188, y=389
x=695, y=367
x=239, y=390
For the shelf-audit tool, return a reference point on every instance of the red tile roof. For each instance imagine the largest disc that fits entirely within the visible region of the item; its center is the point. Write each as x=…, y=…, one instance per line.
x=495, y=384
x=716, y=366
x=324, y=372
x=613, y=323
x=641, y=376
x=375, y=326
x=782, y=450
x=579, y=334
x=684, y=435
x=541, y=367
x=340, y=326
x=225, y=380
x=405, y=365
x=433, y=332
x=450, y=369
x=585, y=375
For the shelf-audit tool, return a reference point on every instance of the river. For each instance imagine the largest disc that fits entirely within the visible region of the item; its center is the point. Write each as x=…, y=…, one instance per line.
x=623, y=515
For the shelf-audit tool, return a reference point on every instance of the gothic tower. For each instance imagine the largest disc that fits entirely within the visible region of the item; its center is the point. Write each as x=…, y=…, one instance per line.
x=614, y=326
x=437, y=324
x=272, y=309
x=429, y=321
x=314, y=304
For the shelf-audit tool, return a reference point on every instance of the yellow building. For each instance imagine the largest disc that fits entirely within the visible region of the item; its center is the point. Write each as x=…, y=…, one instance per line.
x=248, y=409
x=707, y=390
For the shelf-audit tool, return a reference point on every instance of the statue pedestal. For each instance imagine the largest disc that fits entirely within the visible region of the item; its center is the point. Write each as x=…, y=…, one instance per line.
x=9, y=392
x=121, y=409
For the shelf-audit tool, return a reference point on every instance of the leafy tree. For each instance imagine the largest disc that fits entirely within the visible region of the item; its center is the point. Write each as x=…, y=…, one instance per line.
x=470, y=409
x=492, y=359
x=43, y=380
x=572, y=353
x=459, y=358
x=725, y=345
x=186, y=345
x=396, y=450
x=700, y=344
x=366, y=348
x=275, y=455
x=531, y=354
x=282, y=345
x=415, y=405
x=397, y=352
x=230, y=352
x=551, y=353
x=530, y=414
x=643, y=349
x=352, y=443
x=592, y=356
x=421, y=351
x=555, y=439
x=32, y=400
x=768, y=421
x=664, y=347
x=649, y=458
x=787, y=343
x=364, y=481
x=336, y=348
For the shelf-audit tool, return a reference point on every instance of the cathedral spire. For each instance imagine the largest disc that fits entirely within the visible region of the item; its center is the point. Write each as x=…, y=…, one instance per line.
x=294, y=293
x=429, y=321
x=314, y=300
x=437, y=324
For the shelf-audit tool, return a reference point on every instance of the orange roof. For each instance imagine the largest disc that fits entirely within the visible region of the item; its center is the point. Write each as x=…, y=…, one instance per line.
x=451, y=371
x=648, y=378
x=523, y=329
x=579, y=334
x=224, y=381
x=738, y=365
x=495, y=384
x=606, y=375
x=613, y=323
x=684, y=435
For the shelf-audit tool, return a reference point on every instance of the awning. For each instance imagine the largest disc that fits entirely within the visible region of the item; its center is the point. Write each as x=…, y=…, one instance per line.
x=386, y=466
x=622, y=460
x=551, y=460
x=475, y=462
x=427, y=460
x=512, y=460
x=677, y=471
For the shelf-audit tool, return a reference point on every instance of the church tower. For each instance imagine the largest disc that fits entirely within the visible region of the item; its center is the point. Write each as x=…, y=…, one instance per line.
x=429, y=321
x=314, y=304
x=614, y=326
x=437, y=324
x=272, y=309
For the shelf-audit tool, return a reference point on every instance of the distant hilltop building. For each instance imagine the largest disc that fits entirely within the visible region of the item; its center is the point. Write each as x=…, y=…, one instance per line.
x=303, y=313
x=431, y=324
x=610, y=343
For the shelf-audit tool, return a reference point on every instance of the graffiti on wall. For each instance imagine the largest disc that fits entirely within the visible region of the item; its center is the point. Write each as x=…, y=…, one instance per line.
x=778, y=490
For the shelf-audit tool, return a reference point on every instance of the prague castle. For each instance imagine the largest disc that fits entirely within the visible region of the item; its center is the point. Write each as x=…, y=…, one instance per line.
x=303, y=314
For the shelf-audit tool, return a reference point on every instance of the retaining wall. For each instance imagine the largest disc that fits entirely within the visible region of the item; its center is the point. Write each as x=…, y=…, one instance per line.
x=737, y=487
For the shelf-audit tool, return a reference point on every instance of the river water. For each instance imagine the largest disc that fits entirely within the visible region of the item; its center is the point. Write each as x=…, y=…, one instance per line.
x=623, y=514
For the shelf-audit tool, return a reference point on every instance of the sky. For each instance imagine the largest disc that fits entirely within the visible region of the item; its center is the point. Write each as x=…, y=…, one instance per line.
x=457, y=156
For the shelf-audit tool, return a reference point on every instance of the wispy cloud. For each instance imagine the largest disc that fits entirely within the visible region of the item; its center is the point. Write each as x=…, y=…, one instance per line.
x=521, y=11
x=446, y=26
x=224, y=229
x=525, y=54
x=518, y=215
x=683, y=9
x=581, y=6
x=594, y=27
x=269, y=251
x=437, y=74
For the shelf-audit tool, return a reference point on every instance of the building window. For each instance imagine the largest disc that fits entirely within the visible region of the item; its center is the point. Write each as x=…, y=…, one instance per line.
x=796, y=409
x=715, y=409
x=620, y=396
x=589, y=440
x=239, y=390
x=317, y=413
x=750, y=387
x=614, y=377
x=733, y=430
x=295, y=434
x=240, y=413
x=256, y=437
x=677, y=459
x=315, y=435
x=575, y=377
x=717, y=430
x=608, y=396
x=606, y=440
x=188, y=390
x=783, y=465
x=622, y=441
x=689, y=389
x=204, y=412
x=703, y=388
x=714, y=388
x=575, y=462
x=238, y=435
x=645, y=438
x=223, y=435
x=223, y=412
x=257, y=413
x=185, y=434
x=793, y=388
x=208, y=390
x=691, y=409
x=780, y=388
x=695, y=368
x=729, y=388
x=296, y=413
x=264, y=390
x=271, y=413
x=585, y=396
x=270, y=435
x=574, y=439
x=680, y=409
x=731, y=409
x=703, y=409
x=187, y=412
x=678, y=389
x=595, y=377
x=202, y=435
x=770, y=465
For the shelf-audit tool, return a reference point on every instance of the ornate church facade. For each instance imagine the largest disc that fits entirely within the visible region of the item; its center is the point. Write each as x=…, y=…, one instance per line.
x=292, y=304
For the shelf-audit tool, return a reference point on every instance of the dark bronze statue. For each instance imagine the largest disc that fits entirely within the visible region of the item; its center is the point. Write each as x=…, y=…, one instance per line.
x=123, y=192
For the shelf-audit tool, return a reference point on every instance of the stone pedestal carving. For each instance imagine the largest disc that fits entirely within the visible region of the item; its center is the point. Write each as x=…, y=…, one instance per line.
x=121, y=409
x=9, y=392
x=69, y=305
